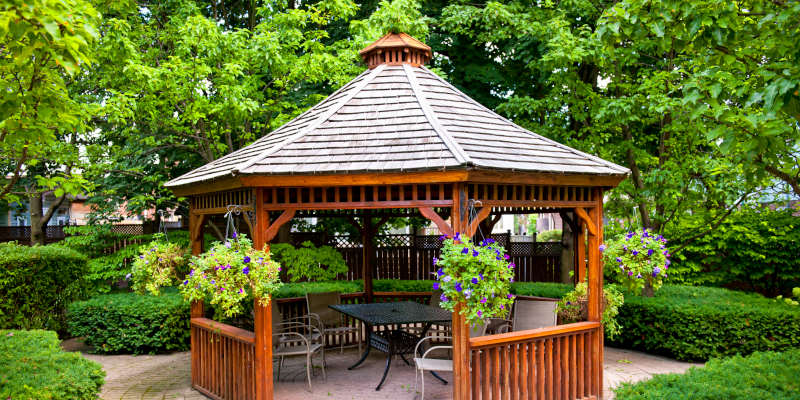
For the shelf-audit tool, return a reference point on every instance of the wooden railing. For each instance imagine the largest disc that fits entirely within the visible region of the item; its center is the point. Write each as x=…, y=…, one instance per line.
x=548, y=363
x=222, y=360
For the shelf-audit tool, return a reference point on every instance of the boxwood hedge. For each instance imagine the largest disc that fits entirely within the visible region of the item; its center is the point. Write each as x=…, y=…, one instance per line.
x=35, y=367
x=767, y=376
x=37, y=283
x=132, y=323
x=699, y=323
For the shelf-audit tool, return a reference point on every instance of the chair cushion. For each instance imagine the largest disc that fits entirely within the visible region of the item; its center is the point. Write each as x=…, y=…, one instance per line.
x=433, y=364
x=298, y=350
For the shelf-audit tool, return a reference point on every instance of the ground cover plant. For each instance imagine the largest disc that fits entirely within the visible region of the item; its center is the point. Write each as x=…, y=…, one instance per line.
x=760, y=376
x=37, y=283
x=132, y=323
x=35, y=367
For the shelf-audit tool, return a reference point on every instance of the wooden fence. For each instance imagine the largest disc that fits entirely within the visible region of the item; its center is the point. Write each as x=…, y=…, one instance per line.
x=410, y=257
x=55, y=233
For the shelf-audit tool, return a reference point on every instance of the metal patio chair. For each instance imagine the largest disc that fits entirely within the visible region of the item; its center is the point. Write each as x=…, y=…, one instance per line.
x=301, y=336
x=333, y=323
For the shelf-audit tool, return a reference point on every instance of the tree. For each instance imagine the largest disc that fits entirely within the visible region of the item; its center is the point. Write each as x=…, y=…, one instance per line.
x=611, y=82
x=43, y=44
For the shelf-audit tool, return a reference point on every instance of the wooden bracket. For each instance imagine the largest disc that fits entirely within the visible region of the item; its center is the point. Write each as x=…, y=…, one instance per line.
x=272, y=231
x=585, y=217
x=473, y=225
x=430, y=214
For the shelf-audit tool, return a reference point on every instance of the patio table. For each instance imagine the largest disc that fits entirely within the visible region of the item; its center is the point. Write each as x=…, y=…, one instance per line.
x=393, y=341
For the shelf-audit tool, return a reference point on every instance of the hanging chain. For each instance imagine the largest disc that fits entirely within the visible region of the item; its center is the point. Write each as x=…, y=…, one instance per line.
x=230, y=215
x=473, y=214
x=162, y=227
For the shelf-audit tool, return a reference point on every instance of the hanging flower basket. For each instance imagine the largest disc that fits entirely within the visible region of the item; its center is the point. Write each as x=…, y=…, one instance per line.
x=478, y=276
x=229, y=272
x=574, y=307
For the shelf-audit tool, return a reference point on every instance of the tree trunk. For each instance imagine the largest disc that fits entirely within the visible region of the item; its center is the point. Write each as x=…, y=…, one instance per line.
x=647, y=290
x=37, y=227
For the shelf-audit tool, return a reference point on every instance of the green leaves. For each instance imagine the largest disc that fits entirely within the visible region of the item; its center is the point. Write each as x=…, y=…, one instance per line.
x=308, y=262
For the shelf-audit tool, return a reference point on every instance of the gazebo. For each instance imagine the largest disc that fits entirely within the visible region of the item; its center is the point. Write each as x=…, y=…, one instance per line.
x=399, y=140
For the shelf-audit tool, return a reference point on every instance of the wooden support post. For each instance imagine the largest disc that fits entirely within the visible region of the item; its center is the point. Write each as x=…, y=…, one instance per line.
x=196, y=222
x=263, y=351
x=262, y=314
x=461, y=351
x=367, y=257
x=196, y=312
x=596, y=284
x=580, y=252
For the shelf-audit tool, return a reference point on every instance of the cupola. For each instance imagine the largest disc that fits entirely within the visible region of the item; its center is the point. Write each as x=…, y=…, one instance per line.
x=396, y=49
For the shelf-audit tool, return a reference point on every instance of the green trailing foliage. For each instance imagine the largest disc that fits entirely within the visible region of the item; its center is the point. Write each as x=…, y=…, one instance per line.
x=308, y=262
x=35, y=367
x=699, y=323
x=132, y=323
x=754, y=248
x=159, y=264
x=37, y=283
x=573, y=307
x=760, y=376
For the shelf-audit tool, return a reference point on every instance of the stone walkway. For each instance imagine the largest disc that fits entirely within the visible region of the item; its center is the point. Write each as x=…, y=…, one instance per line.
x=167, y=376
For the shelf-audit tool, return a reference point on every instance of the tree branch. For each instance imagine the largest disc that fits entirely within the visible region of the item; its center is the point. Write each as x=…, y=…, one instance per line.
x=712, y=227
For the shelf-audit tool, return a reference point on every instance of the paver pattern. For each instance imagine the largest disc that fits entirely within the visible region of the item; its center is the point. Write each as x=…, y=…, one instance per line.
x=167, y=376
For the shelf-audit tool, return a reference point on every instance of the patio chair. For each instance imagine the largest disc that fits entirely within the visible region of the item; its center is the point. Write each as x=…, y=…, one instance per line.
x=532, y=314
x=425, y=363
x=300, y=336
x=333, y=322
x=442, y=329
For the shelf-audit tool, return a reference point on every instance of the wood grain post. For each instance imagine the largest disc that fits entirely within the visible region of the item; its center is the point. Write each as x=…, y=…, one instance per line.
x=461, y=350
x=263, y=351
x=196, y=222
x=580, y=251
x=263, y=317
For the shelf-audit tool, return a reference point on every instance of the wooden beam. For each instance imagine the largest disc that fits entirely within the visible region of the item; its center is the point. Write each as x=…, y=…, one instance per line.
x=590, y=224
x=272, y=231
x=473, y=225
x=430, y=214
x=360, y=205
x=262, y=222
x=580, y=252
x=541, y=178
x=461, y=351
x=391, y=178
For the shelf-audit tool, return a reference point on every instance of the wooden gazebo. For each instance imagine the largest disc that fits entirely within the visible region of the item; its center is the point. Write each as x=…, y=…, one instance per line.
x=399, y=140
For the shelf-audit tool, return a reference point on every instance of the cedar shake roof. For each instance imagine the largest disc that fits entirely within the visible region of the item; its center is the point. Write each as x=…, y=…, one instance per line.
x=395, y=118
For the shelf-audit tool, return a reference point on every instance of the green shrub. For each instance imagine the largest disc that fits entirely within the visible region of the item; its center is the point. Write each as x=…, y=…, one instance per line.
x=308, y=262
x=549, y=236
x=35, y=367
x=699, y=323
x=301, y=288
x=541, y=289
x=132, y=323
x=37, y=283
x=753, y=249
x=764, y=376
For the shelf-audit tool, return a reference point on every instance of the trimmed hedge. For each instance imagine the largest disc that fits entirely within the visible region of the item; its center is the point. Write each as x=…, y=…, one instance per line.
x=764, y=376
x=37, y=283
x=35, y=367
x=699, y=323
x=132, y=323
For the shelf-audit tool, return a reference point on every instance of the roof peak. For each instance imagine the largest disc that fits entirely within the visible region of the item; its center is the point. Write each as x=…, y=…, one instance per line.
x=396, y=49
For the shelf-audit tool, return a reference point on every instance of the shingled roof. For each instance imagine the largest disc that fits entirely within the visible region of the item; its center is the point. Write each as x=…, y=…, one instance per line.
x=395, y=118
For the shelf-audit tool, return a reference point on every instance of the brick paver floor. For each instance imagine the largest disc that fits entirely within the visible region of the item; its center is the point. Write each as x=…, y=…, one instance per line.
x=167, y=376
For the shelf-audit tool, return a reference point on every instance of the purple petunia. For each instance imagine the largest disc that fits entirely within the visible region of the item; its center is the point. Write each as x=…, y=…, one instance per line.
x=602, y=247
x=630, y=273
x=512, y=265
x=241, y=290
x=479, y=313
x=649, y=252
x=483, y=300
x=510, y=296
x=638, y=276
x=465, y=250
x=128, y=277
x=246, y=270
x=447, y=278
x=246, y=259
x=141, y=257
x=228, y=244
x=656, y=270
x=457, y=286
x=506, y=256
x=474, y=281
x=443, y=297
x=440, y=272
x=435, y=260
x=475, y=253
x=635, y=252
x=234, y=235
x=619, y=260
x=186, y=282
x=435, y=285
